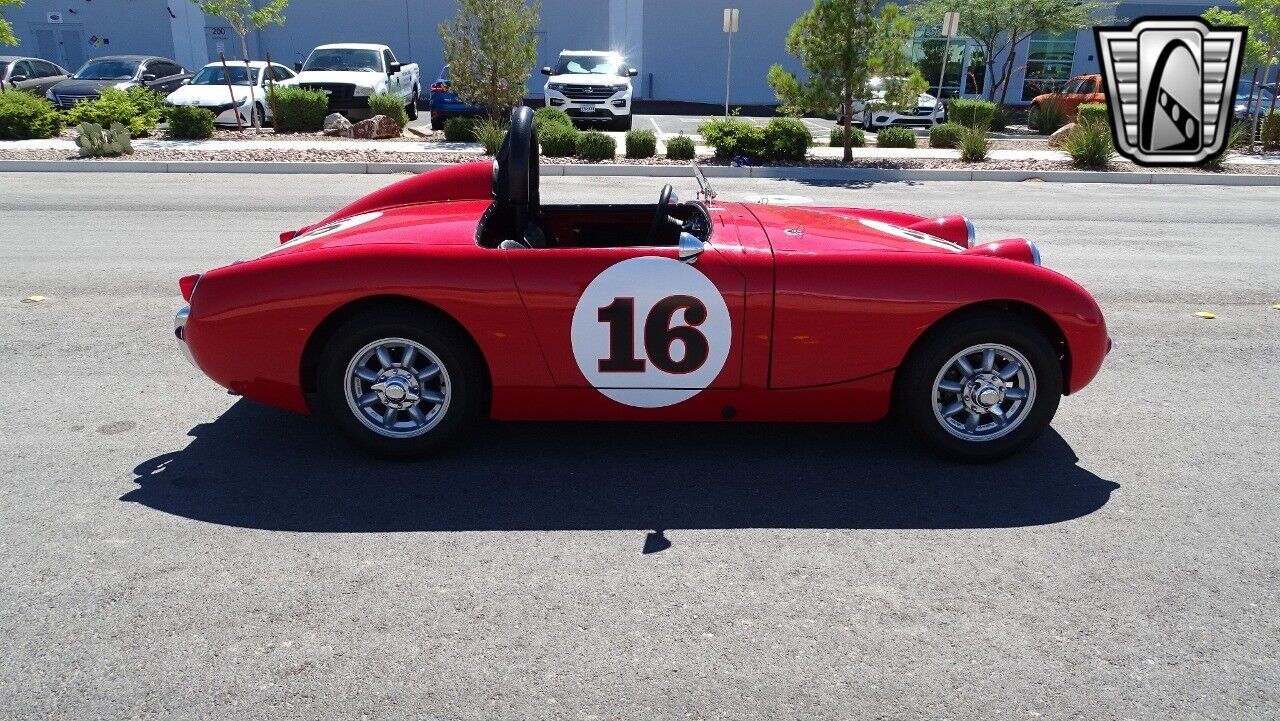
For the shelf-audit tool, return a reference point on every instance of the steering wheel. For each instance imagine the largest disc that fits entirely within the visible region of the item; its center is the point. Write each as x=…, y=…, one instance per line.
x=662, y=220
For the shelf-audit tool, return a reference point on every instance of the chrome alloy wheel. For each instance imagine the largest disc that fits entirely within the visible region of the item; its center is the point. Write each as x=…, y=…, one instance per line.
x=984, y=392
x=397, y=388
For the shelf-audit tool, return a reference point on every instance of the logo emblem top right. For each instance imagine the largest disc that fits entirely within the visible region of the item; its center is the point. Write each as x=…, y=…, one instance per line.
x=1169, y=84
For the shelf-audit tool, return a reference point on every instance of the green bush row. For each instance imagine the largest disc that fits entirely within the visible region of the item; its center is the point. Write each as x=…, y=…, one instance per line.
x=641, y=144
x=189, y=122
x=460, y=130
x=680, y=148
x=896, y=138
x=137, y=109
x=388, y=104
x=947, y=135
x=299, y=110
x=971, y=113
x=837, y=137
x=24, y=116
x=782, y=139
x=595, y=145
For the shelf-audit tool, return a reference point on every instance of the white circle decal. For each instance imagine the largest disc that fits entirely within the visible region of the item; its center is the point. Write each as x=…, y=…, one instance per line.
x=651, y=332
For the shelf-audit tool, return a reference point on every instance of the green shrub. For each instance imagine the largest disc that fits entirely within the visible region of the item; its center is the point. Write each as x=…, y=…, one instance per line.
x=24, y=116
x=973, y=145
x=1092, y=114
x=147, y=100
x=1046, y=117
x=971, y=113
x=558, y=141
x=190, y=122
x=135, y=110
x=641, y=144
x=389, y=105
x=1238, y=137
x=460, y=130
x=681, y=148
x=595, y=145
x=947, y=135
x=1000, y=118
x=94, y=142
x=489, y=133
x=546, y=117
x=786, y=139
x=896, y=138
x=733, y=137
x=1271, y=130
x=299, y=110
x=1090, y=145
x=837, y=137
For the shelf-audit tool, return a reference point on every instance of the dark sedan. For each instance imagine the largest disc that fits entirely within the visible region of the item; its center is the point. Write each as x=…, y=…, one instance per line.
x=118, y=71
x=31, y=75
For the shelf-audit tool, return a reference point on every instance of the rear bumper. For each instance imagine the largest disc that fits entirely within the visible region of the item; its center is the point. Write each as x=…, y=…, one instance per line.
x=180, y=330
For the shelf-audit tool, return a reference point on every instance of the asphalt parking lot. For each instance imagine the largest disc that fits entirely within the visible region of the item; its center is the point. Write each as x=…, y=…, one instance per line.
x=169, y=551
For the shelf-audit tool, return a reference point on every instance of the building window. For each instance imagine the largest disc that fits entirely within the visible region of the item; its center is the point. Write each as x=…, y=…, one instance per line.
x=1048, y=63
x=926, y=55
x=975, y=75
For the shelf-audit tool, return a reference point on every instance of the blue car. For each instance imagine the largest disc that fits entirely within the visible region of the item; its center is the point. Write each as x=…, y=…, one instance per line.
x=444, y=103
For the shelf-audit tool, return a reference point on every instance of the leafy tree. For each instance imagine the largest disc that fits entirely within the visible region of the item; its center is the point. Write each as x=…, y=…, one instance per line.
x=1262, y=17
x=6, y=30
x=997, y=27
x=490, y=50
x=242, y=16
x=842, y=45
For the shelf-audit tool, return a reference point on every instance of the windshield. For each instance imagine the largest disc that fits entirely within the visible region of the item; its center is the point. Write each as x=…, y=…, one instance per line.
x=587, y=65
x=108, y=70
x=1242, y=94
x=215, y=76
x=344, y=59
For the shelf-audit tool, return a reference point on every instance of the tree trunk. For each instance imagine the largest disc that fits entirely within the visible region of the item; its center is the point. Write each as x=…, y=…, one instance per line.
x=1006, y=73
x=848, y=126
x=1257, y=111
x=253, y=100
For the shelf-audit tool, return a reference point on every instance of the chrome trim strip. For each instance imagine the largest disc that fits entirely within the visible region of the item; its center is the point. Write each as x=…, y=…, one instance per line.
x=180, y=330
x=1035, y=253
x=970, y=233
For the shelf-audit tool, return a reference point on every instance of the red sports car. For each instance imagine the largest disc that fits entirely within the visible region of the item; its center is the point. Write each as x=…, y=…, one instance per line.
x=456, y=295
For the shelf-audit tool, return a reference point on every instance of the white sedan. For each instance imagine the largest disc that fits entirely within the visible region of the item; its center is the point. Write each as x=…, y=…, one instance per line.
x=926, y=112
x=246, y=96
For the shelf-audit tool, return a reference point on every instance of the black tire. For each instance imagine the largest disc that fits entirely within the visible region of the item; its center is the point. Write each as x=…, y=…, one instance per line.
x=260, y=114
x=915, y=394
x=437, y=122
x=412, y=107
x=623, y=123
x=467, y=386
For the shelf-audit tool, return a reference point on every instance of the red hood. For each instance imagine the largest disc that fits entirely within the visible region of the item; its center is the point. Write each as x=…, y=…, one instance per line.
x=816, y=230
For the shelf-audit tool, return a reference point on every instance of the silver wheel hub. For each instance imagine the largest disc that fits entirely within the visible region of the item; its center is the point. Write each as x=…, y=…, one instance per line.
x=397, y=387
x=984, y=392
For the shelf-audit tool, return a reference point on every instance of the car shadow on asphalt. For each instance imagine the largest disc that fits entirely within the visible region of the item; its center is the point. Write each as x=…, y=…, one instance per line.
x=255, y=467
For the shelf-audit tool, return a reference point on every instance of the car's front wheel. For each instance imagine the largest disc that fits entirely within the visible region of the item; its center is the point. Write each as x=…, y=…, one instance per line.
x=981, y=387
x=400, y=388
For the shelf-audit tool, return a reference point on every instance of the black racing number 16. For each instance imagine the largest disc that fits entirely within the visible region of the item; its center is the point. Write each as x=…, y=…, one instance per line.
x=658, y=335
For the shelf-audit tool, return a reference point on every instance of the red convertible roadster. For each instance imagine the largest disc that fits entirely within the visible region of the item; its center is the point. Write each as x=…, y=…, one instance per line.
x=457, y=295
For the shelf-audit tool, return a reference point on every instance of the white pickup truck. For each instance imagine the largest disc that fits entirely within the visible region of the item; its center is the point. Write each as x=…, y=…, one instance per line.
x=350, y=72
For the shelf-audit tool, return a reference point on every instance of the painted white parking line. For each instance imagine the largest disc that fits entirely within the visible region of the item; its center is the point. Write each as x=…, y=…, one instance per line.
x=656, y=129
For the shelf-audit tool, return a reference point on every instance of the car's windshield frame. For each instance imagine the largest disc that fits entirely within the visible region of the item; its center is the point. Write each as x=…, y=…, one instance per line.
x=347, y=60
x=612, y=65
x=218, y=77
x=83, y=73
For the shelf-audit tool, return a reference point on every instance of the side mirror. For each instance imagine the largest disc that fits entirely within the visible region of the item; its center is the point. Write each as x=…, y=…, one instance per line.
x=393, y=68
x=690, y=248
x=148, y=78
x=17, y=78
x=297, y=66
x=546, y=70
x=186, y=81
x=632, y=72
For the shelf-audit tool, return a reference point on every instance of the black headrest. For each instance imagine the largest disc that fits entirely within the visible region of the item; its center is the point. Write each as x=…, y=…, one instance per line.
x=515, y=167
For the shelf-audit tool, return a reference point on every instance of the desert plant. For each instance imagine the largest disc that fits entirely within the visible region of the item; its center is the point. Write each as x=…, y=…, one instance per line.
x=1092, y=114
x=1238, y=137
x=946, y=135
x=680, y=148
x=731, y=137
x=1089, y=145
x=558, y=141
x=489, y=133
x=971, y=113
x=1000, y=118
x=136, y=112
x=858, y=138
x=786, y=139
x=1047, y=116
x=546, y=117
x=299, y=110
x=1271, y=130
x=595, y=145
x=974, y=145
x=460, y=130
x=94, y=142
x=390, y=105
x=24, y=116
x=190, y=122
x=641, y=144
x=896, y=138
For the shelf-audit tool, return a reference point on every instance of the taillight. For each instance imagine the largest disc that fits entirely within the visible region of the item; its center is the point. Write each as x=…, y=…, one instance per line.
x=187, y=284
x=439, y=88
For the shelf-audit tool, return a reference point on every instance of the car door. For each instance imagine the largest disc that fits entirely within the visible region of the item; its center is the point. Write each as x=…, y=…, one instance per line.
x=1071, y=97
x=50, y=75
x=393, y=78
x=644, y=328
x=22, y=77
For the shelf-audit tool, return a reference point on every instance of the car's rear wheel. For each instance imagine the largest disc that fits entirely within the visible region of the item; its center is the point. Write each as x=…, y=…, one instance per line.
x=412, y=107
x=437, y=122
x=400, y=388
x=980, y=388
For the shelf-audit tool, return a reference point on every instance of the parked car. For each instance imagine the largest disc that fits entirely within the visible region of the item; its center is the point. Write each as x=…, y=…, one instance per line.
x=121, y=72
x=927, y=111
x=208, y=89
x=444, y=103
x=31, y=75
x=1076, y=92
x=592, y=86
x=455, y=295
x=1245, y=106
x=350, y=72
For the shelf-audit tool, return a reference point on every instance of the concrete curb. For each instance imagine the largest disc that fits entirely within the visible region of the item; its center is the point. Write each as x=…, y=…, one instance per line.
x=834, y=175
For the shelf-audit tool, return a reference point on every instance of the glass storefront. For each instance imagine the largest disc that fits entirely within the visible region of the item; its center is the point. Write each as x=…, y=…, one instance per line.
x=1048, y=66
x=926, y=54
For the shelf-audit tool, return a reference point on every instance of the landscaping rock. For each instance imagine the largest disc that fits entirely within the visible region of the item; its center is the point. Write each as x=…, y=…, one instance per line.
x=378, y=127
x=336, y=124
x=1059, y=136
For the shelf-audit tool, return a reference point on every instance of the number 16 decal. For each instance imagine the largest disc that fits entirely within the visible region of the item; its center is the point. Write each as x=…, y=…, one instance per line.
x=651, y=332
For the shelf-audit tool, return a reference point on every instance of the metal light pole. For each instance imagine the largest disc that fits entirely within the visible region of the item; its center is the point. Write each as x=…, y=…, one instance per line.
x=730, y=28
x=950, y=26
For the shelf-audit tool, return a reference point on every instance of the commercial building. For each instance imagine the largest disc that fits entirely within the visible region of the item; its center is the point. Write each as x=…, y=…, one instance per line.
x=678, y=45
